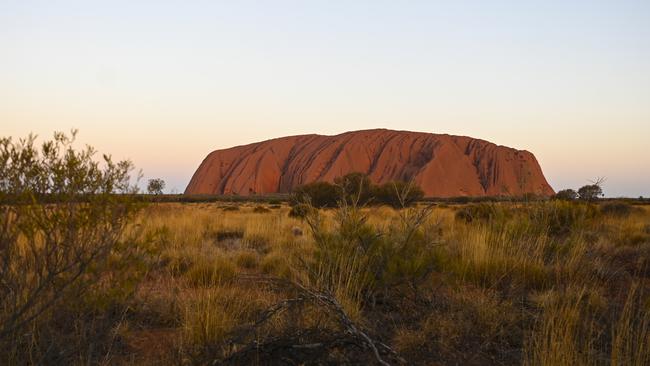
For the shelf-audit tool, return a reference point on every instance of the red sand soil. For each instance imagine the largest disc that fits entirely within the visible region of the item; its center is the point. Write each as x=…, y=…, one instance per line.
x=442, y=165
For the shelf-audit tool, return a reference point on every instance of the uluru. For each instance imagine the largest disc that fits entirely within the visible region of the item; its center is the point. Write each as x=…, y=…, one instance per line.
x=442, y=165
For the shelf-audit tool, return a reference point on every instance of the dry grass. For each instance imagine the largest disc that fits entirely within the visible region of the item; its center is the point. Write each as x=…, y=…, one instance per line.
x=533, y=285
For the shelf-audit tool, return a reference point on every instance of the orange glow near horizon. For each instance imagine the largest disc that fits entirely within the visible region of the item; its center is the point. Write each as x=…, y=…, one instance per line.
x=166, y=83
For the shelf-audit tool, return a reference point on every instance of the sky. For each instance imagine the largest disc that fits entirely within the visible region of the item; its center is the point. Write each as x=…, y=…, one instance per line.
x=163, y=83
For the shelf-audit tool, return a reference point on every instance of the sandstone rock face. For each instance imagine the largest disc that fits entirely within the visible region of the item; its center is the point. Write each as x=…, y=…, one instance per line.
x=442, y=165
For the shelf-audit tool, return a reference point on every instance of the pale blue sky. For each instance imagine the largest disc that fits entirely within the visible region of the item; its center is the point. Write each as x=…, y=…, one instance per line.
x=166, y=82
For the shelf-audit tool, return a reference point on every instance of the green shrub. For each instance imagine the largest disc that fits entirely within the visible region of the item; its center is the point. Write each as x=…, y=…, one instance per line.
x=64, y=246
x=356, y=259
x=590, y=192
x=355, y=187
x=319, y=194
x=566, y=195
x=397, y=194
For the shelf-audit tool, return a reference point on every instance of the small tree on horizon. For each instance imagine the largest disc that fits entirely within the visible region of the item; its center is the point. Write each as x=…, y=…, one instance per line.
x=155, y=186
x=591, y=192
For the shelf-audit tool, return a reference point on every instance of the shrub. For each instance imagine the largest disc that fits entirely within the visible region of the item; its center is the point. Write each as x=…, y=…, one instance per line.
x=397, y=194
x=590, y=192
x=52, y=254
x=319, y=194
x=356, y=259
x=355, y=187
x=566, y=195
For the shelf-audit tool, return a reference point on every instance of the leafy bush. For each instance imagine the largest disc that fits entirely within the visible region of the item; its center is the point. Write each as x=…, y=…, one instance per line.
x=357, y=187
x=590, y=192
x=566, y=195
x=320, y=194
x=64, y=255
x=397, y=194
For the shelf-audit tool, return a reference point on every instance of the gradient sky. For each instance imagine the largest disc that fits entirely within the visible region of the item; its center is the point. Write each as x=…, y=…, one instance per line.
x=165, y=82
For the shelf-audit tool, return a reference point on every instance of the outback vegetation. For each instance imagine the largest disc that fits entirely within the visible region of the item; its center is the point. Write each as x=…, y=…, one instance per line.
x=357, y=187
x=155, y=186
x=91, y=275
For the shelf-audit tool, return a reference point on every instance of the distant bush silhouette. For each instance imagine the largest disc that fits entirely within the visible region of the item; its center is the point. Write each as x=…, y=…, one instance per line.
x=397, y=194
x=566, y=195
x=592, y=192
x=320, y=194
x=357, y=187
x=155, y=186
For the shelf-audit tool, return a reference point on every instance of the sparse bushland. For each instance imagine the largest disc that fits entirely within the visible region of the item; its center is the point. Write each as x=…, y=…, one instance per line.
x=69, y=258
x=490, y=283
x=357, y=187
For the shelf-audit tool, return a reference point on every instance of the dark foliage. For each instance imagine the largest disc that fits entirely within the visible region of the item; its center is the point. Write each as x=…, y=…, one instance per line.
x=320, y=194
x=357, y=187
x=566, y=195
x=590, y=192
